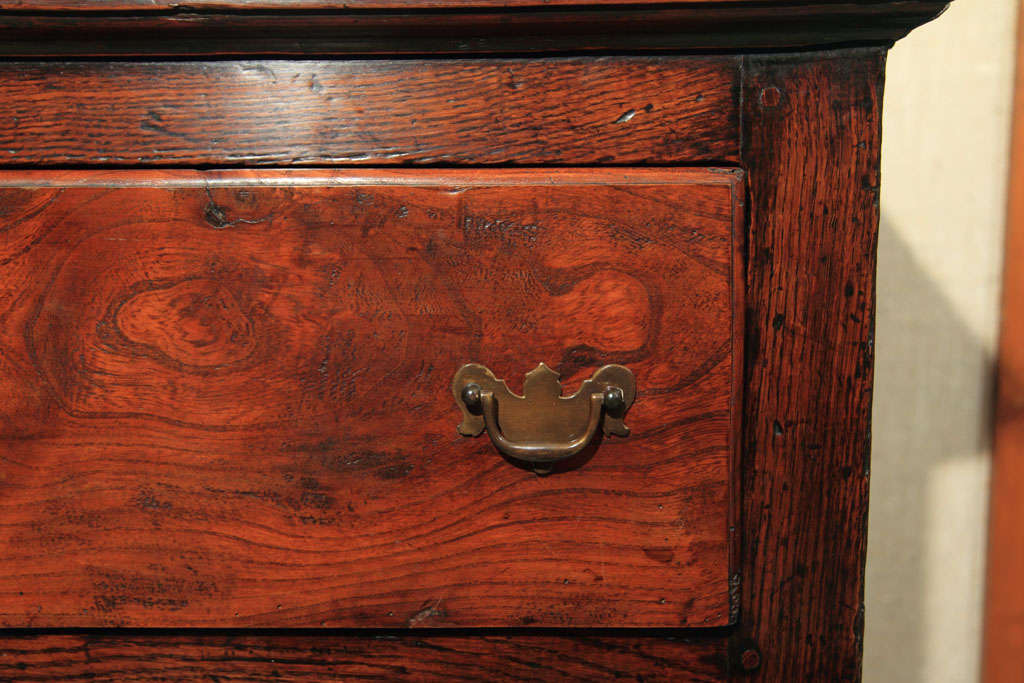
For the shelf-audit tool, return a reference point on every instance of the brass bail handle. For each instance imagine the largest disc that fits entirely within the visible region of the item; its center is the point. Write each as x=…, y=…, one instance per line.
x=542, y=427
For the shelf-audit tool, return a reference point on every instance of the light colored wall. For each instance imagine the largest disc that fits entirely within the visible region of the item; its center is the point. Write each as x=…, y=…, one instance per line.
x=944, y=166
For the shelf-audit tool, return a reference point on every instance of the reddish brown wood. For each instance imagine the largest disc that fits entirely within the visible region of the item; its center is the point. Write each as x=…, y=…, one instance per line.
x=279, y=658
x=1004, y=605
x=809, y=139
x=478, y=28
x=811, y=132
x=226, y=397
x=568, y=111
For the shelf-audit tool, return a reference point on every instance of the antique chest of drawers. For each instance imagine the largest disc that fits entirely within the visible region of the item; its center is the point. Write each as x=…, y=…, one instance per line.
x=458, y=339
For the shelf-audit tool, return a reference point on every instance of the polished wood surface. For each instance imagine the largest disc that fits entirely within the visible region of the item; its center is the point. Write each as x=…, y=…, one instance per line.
x=226, y=397
x=1004, y=604
x=239, y=480
x=370, y=112
x=812, y=152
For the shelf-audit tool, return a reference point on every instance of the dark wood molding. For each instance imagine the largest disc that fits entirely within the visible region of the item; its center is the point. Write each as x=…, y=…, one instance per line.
x=208, y=29
x=393, y=5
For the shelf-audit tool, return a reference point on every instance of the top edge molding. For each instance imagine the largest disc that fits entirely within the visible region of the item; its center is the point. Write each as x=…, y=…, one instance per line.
x=398, y=5
x=287, y=28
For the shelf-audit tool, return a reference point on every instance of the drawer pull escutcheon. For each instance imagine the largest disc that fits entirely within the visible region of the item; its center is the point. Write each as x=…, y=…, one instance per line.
x=542, y=427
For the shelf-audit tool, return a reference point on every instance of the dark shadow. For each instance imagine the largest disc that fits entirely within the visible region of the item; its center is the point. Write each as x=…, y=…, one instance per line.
x=929, y=413
x=571, y=463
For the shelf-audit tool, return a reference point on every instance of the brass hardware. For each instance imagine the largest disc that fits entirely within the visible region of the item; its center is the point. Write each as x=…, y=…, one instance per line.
x=542, y=427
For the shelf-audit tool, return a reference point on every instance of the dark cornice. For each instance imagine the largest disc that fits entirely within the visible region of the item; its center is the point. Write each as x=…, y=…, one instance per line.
x=705, y=26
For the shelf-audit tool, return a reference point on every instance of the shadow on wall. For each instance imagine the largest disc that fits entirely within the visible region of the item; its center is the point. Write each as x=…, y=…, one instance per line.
x=931, y=434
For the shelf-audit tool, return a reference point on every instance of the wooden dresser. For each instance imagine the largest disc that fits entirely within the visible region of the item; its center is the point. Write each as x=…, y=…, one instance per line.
x=442, y=340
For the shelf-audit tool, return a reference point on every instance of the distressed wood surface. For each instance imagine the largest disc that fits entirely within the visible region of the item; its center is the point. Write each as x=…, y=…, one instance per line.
x=372, y=112
x=811, y=148
x=278, y=658
x=225, y=398
x=378, y=29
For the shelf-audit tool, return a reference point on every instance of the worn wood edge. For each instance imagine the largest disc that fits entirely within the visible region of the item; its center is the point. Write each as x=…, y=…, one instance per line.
x=739, y=274
x=708, y=26
x=476, y=177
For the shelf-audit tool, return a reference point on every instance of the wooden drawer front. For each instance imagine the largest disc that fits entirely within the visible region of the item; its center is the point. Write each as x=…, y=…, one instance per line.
x=225, y=398
x=370, y=112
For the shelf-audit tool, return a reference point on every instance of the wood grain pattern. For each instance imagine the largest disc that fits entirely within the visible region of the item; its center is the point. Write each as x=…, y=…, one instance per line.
x=225, y=401
x=145, y=656
x=379, y=112
x=463, y=30
x=811, y=131
x=1004, y=601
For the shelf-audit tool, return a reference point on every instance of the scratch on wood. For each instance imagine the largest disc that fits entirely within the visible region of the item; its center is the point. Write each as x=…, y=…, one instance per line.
x=432, y=612
x=627, y=117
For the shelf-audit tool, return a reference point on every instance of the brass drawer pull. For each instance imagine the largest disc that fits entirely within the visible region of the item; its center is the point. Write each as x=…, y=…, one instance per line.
x=542, y=427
